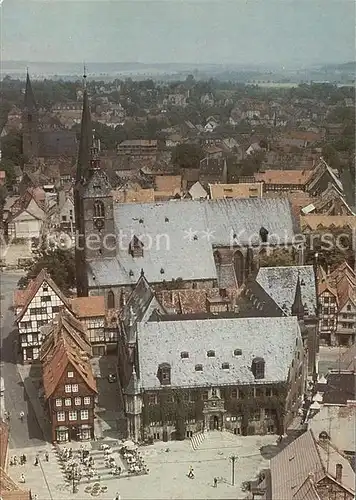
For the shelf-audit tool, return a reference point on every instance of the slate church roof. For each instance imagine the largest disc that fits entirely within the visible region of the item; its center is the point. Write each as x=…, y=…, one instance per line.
x=280, y=284
x=179, y=236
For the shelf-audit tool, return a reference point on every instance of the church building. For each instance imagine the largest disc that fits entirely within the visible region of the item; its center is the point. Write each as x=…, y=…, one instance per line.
x=39, y=145
x=177, y=243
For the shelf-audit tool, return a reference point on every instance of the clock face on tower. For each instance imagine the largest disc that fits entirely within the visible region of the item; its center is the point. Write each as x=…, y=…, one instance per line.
x=99, y=223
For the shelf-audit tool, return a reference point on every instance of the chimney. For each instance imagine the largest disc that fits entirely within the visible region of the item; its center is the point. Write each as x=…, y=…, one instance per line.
x=338, y=473
x=223, y=293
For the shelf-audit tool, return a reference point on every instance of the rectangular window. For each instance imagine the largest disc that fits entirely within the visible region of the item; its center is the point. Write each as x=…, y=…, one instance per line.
x=84, y=415
x=38, y=310
x=46, y=298
x=26, y=325
x=70, y=374
x=61, y=416
x=68, y=388
x=55, y=309
x=87, y=400
x=326, y=300
x=72, y=415
x=75, y=388
x=68, y=402
x=205, y=396
x=152, y=399
x=58, y=402
x=78, y=401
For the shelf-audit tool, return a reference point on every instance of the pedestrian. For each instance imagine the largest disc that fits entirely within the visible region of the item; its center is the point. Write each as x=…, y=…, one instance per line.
x=215, y=482
x=191, y=473
x=24, y=458
x=47, y=456
x=15, y=460
x=22, y=415
x=36, y=461
x=35, y=497
x=22, y=478
x=117, y=497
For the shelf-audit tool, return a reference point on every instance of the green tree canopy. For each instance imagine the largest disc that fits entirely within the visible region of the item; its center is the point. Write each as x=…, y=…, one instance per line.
x=60, y=265
x=187, y=155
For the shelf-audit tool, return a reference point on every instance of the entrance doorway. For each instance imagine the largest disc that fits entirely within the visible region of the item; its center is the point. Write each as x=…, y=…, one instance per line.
x=214, y=423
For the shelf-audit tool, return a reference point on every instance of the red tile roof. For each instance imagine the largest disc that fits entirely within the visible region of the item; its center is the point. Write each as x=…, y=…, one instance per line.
x=88, y=307
x=61, y=357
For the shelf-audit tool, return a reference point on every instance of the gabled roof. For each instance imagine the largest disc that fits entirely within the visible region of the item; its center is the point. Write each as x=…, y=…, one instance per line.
x=319, y=171
x=273, y=339
x=33, y=287
x=65, y=327
x=138, y=301
x=280, y=284
x=302, y=459
x=187, y=257
x=62, y=357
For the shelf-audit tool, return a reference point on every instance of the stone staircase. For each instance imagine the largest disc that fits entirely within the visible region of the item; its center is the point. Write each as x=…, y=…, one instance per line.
x=197, y=439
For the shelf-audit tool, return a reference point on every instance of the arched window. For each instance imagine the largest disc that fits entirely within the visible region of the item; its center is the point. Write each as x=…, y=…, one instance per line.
x=99, y=209
x=111, y=300
x=239, y=267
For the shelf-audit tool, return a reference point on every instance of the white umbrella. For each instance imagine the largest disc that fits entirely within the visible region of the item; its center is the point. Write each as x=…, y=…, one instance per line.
x=130, y=445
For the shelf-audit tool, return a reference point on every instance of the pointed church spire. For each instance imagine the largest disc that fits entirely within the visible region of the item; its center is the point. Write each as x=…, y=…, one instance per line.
x=86, y=138
x=298, y=307
x=30, y=103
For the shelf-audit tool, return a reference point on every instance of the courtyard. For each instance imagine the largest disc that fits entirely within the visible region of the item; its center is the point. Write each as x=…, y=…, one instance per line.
x=168, y=465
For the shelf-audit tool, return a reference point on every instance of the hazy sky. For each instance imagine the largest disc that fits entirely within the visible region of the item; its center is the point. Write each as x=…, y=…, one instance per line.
x=285, y=32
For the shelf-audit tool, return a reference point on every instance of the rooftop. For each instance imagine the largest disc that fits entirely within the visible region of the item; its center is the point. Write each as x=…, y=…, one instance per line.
x=240, y=190
x=273, y=339
x=179, y=236
x=280, y=284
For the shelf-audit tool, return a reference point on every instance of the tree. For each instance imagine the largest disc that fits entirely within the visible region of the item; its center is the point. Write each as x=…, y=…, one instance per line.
x=187, y=155
x=60, y=265
x=11, y=148
x=276, y=258
x=9, y=168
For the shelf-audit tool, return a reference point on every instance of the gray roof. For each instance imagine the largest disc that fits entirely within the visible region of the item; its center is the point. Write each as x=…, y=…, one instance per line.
x=280, y=284
x=273, y=339
x=171, y=252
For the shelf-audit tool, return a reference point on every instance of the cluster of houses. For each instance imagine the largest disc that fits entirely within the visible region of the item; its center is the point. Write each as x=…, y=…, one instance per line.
x=206, y=334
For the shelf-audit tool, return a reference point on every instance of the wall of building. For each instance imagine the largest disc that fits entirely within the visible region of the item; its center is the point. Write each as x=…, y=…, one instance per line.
x=60, y=393
x=41, y=311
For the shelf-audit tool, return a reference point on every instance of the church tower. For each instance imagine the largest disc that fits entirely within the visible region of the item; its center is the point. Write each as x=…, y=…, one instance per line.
x=83, y=167
x=94, y=215
x=30, y=123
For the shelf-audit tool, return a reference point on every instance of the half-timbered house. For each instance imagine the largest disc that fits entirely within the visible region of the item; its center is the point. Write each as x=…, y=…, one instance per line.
x=68, y=381
x=35, y=307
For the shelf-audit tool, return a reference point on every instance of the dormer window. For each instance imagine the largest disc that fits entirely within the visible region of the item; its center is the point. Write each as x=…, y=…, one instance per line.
x=164, y=374
x=258, y=368
x=211, y=354
x=198, y=368
x=162, y=270
x=237, y=352
x=99, y=209
x=184, y=355
x=263, y=235
x=225, y=366
x=136, y=248
x=141, y=221
x=166, y=219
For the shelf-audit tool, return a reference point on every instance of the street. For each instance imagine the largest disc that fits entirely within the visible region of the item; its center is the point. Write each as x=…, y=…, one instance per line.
x=26, y=433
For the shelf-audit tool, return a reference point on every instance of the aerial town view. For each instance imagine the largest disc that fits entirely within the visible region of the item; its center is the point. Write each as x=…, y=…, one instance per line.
x=177, y=256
